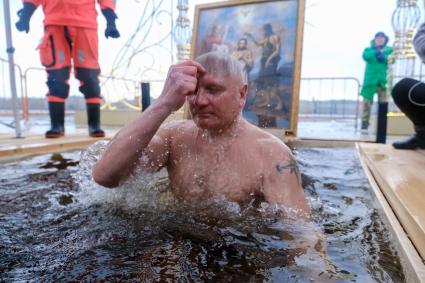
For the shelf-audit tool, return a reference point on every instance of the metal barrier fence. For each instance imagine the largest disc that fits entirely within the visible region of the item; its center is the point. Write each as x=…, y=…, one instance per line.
x=329, y=98
x=118, y=93
x=5, y=96
x=321, y=98
x=114, y=90
x=32, y=85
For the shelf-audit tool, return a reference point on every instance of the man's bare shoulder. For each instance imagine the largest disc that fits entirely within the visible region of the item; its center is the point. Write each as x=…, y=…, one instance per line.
x=268, y=144
x=178, y=128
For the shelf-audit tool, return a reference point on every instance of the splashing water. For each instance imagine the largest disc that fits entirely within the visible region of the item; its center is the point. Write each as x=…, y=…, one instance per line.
x=139, y=190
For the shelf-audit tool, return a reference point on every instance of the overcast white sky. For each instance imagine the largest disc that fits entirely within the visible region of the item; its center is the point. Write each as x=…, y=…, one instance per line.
x=335, y=34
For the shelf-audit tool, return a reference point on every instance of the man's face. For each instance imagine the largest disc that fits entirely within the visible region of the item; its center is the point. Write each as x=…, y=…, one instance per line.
x=217, y=102
x=242, y=44
x=379, y=41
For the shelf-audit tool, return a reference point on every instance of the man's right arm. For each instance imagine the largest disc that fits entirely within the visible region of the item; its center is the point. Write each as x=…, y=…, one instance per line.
x=126, y=147
x=131, y=142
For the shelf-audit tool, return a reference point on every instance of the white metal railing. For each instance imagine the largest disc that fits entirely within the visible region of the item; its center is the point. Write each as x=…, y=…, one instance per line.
x=5, y=95
x=330, y=98
x=321, y=98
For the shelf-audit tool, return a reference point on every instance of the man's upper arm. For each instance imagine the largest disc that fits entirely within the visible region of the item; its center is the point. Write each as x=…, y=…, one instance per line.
x=282, y=184
x=276, y=40
x=155, y=156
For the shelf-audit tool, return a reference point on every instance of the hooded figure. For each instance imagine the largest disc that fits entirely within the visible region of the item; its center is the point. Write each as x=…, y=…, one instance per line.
x=375, y=78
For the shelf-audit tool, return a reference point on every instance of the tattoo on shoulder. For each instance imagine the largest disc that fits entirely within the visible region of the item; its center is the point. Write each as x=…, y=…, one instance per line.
x=290, y=166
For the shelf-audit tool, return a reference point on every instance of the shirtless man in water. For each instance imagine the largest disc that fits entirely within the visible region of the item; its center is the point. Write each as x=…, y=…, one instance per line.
x=216, y=153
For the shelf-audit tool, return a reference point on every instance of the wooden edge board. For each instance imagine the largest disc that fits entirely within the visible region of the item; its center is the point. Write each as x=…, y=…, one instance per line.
x=26, y=151
x=414, y=268
x=402, y=210
x=318, y=143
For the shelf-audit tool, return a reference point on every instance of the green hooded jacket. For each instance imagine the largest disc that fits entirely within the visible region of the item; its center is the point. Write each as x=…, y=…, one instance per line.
x=376, y=72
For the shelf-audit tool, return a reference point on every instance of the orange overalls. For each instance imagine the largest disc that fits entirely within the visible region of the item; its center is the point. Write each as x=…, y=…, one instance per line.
x=70, y=39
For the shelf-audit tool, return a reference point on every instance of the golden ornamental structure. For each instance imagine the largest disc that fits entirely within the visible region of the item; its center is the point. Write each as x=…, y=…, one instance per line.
x=182, y=31
x=404, y=21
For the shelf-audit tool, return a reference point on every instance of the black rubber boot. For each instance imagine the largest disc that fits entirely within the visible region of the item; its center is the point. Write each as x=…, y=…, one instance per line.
x=57, y=120
x=93, y=119
x=416, y=141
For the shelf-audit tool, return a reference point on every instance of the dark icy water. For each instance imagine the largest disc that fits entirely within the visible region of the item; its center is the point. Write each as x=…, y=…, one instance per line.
x=56, y=225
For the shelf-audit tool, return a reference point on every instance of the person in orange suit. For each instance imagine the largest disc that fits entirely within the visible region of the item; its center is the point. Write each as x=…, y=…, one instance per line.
x=70, y=39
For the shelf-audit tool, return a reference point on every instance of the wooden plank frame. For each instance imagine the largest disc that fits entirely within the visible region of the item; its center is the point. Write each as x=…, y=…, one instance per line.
x=413, y=266
x=12, y=149
x=297, y=51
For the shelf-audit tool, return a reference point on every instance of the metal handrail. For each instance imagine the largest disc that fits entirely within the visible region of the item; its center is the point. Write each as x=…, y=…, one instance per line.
x=24, y=98
x=24, y=75
x=332, y=78
x=344, y=78
x=25, y=94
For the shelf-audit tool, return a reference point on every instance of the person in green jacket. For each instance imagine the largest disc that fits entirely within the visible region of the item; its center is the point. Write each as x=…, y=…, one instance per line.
x=375, y=79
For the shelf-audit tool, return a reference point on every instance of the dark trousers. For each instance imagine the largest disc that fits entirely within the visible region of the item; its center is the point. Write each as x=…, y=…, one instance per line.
x=409, y=96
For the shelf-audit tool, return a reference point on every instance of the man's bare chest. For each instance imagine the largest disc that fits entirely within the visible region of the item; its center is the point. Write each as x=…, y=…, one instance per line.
x=216, y=172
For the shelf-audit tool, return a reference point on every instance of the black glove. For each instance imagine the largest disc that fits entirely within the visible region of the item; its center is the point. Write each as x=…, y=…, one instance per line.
x=380, y=57
x=25, y=14
x=111, y=28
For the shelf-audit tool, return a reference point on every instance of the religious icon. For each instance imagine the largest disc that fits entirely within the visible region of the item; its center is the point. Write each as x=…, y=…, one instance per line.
x=265, y=37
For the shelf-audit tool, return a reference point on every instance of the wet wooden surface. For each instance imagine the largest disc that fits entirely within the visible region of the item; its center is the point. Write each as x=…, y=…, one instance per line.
x=14, y=148
x=400, y=175
x=413, y=265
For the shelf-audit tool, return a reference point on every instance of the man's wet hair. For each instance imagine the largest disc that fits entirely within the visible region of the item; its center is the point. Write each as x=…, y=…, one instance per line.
x=222, y=64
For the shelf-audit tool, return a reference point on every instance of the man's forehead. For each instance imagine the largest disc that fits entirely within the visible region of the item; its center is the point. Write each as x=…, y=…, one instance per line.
x=213, y=77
